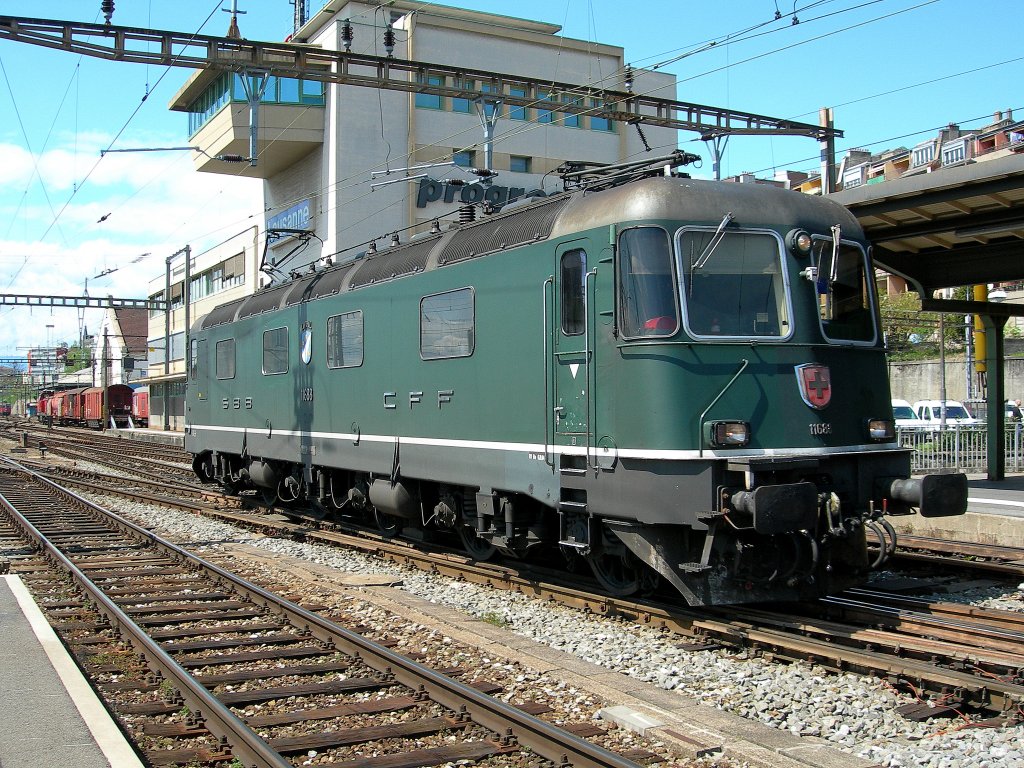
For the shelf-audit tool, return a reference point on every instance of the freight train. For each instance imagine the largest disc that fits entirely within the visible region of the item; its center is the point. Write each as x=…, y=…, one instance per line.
x=671, y=380
x=83, y=406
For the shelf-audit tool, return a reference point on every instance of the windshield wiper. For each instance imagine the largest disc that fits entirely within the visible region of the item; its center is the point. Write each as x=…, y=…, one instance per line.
x=834, y=272
x=715, y=240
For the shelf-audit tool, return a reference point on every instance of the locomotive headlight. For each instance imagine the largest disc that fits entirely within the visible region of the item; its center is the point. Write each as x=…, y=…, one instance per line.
x=799, y=242
x=881, y=429
x=729, y=434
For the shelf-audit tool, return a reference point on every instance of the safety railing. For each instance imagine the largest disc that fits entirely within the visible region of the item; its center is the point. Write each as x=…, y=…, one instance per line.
x=961, y=447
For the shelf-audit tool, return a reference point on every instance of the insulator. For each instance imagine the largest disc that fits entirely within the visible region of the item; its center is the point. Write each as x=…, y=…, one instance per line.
x=467, y=213
x=389, y=40
x=347, y=34
x=627, y=81
x=372, y=249
x=435, y=227
x=107, y=9
x=394, y=240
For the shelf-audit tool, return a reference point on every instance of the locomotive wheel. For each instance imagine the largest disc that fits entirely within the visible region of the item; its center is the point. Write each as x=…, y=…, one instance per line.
x=477, y=548
x=388, y=525
x=621, y=575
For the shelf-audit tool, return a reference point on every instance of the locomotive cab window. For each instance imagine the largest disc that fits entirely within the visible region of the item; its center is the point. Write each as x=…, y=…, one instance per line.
x=193, y=362
x=845, y=303
x=275, y=351
x=447, y=325
x=573, y=267
x=345, y=340
x=647, y=295
x=225, y=363
x=733, y=283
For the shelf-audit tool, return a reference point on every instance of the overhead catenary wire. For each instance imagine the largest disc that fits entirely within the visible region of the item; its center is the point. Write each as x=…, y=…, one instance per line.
x=503, y=137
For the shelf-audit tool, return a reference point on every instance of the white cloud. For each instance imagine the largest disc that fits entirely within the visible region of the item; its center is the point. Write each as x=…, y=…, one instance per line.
x=154, y=203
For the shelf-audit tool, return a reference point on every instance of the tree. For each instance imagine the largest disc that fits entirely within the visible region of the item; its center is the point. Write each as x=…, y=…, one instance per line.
x=911, y=334
x=78, y=357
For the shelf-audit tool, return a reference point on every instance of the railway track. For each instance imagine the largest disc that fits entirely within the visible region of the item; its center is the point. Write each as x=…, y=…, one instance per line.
x=157, y=463
x=965, y=657
x=195, y=650
x=962, y=555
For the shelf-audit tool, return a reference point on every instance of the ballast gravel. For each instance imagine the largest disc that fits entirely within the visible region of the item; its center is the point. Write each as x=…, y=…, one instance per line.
x=853, y=713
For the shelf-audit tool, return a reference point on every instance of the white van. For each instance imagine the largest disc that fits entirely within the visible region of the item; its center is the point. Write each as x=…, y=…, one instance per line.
x=930, y=411
x=905, y=415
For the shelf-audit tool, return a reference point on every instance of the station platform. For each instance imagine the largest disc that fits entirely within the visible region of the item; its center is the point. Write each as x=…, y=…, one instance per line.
x=159, y=436
x=50, y=714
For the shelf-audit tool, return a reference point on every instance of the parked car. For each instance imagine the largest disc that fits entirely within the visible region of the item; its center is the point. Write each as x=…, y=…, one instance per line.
x=905, y=415
x=1012, y=412
x=956, y=413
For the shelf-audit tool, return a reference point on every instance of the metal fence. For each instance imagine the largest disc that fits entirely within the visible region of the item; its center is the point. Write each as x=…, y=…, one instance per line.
x=959, y=447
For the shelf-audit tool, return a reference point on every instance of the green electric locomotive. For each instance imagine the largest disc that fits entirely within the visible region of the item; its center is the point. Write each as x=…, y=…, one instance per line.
x=666, y=378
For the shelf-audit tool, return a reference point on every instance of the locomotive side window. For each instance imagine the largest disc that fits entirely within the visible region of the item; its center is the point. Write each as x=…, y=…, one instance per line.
x=647, y=296
x=193, y=361
x=844, y=297
x=447, y=325
x=733, y=283
x=345, y=340
x=573, y=277
x=226, y=359
x=275, y=351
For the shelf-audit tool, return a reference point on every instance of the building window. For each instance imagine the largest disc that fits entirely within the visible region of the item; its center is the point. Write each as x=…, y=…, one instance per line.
x=852, y=178
x=233, y=271
x=573, y=293
x=545, y=115
x=922, y=155
x=226, y=359
x=519, y=164
x=345, y=340
x=514, y=112
x=464, y=158
x=954, y=153
x=229, y=88
x=571, y=120
x=447, y=325
x=464, y=105
x=429, y=100
x=597, y=122
x=275, y=351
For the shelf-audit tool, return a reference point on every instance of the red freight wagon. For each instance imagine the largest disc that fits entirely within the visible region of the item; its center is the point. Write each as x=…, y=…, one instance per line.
x=140, y=407
x=119, y=405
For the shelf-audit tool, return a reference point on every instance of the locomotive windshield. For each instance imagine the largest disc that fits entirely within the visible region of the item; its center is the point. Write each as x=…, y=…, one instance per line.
x=733, y=283
x=647, y=298
x=844, y=296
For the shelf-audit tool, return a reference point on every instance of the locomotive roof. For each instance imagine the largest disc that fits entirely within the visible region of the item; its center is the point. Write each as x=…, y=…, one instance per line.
x=661, y=198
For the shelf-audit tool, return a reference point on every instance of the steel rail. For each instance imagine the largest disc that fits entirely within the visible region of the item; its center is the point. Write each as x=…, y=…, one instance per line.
x=216, y=717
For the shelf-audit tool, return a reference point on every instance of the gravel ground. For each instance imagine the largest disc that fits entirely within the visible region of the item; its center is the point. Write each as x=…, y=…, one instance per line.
x=853, y=713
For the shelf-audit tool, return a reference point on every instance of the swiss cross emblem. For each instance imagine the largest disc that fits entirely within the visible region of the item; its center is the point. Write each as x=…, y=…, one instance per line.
x=815, y=384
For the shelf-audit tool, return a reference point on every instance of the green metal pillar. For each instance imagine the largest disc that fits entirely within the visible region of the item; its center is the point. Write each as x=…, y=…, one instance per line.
x=996, y=416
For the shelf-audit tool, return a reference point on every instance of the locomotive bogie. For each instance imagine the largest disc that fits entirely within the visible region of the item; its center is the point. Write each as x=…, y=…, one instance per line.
x=661, y=379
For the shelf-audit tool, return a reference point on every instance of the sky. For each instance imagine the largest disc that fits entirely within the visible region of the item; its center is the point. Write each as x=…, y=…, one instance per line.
x=71, y=220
